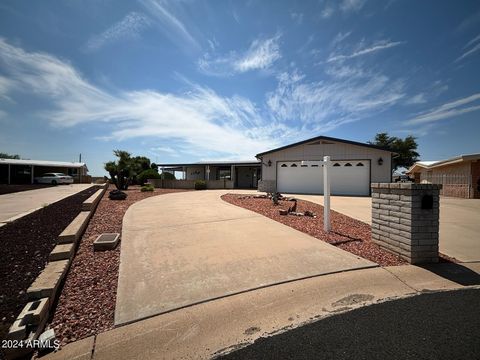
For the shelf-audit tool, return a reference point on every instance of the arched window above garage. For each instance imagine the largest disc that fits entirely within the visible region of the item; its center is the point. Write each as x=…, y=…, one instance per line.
x=293, y=165
x=284, y=165
x=360, y=164
x=336, y=164
x=347, y=164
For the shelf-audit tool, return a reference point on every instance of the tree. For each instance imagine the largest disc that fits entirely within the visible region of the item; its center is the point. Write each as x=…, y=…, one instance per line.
x=9, y=156
x=120, y=170
x=138, y=165
x=405, y=149
x=147, y=174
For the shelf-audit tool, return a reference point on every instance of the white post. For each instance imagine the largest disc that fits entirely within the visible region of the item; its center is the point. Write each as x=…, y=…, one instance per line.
x=326, y=194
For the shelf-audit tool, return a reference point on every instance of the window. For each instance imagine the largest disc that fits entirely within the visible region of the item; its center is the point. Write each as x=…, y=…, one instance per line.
x=360, y=164
x=314, y=165
x=293, y=165
x=336, y=164
x=304, y=165
x=224, y=173
x=347, y=164
x=284, y=165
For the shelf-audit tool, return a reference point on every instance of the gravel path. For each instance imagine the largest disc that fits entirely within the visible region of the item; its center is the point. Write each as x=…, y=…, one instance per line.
x=87, y=303
x=24, y=248
x=348, y=234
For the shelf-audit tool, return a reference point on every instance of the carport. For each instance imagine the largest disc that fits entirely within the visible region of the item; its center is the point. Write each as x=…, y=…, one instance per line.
x=16, y=171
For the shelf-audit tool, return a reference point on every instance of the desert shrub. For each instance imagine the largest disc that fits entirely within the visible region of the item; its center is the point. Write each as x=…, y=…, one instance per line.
x=147, y=174
x=148, y=187
x=200, y=185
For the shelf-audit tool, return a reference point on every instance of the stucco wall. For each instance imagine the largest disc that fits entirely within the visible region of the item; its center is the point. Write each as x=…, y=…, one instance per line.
x=195, y=173
x=336, y=151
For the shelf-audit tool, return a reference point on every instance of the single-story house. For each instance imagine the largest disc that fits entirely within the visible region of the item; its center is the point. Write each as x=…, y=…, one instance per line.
x=460, y=175
x=14, y=171
x=297, y=168
x=217, y=174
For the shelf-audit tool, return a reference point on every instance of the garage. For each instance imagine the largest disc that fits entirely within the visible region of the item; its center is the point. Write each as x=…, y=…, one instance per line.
x=348, y=177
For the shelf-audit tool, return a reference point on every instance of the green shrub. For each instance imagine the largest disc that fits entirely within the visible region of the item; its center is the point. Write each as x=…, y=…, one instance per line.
x=148, y=187
x=147, y=174
x=200, y=185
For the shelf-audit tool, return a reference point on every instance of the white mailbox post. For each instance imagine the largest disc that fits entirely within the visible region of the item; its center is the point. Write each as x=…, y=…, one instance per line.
x=326, y=194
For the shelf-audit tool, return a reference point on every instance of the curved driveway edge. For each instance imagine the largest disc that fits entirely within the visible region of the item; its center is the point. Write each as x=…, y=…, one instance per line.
x=186, y=248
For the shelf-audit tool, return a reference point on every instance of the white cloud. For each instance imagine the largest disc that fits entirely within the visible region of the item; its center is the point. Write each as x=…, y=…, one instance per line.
x=297, y=17
x=362, y=50
x=325, y=105
x=417, y=99
x=448, y=110
x=327, y=11
x=351, y=5
x=469, y=52
x=200, y=119
x=471, y=42
x=340, y=37
x=5, y=87
x=169, y=21
x=129, y=27
x=261, y=54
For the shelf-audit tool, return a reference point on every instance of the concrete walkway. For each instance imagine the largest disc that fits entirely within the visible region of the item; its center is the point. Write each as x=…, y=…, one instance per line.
x=186, y=248
x=357, y=207
x=459, y=222
x=16, y=205
x=208, y=329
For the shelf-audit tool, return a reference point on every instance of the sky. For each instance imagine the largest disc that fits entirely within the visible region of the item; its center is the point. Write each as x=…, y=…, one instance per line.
x=191, y=80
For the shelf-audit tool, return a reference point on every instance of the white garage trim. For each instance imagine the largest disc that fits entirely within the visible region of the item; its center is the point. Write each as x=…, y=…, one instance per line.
x=348, y=177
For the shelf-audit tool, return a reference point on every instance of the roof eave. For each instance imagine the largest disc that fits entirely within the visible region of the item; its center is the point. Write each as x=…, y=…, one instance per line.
x=259, y=155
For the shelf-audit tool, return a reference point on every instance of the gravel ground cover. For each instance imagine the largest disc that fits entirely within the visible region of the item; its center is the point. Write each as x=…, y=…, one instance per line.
x=87, y=303
x=24, y=248
x=8, y=189
x=348, y=234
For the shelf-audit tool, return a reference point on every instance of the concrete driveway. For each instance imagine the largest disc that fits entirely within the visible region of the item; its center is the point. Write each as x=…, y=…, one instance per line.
x=459, y=222
x=186, y=248
x=14, y=206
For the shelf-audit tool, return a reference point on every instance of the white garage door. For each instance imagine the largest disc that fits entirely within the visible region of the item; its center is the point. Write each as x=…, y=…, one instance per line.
x=350, y=177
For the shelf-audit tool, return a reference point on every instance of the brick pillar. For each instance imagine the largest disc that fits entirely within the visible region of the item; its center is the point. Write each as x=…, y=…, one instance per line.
x=405, y=220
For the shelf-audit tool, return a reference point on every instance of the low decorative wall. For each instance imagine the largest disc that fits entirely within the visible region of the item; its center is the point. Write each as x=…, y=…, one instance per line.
x=405, y=219
x=190, y=184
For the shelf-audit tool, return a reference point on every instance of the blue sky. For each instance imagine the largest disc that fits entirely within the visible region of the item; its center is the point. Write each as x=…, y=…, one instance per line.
x=186, y=80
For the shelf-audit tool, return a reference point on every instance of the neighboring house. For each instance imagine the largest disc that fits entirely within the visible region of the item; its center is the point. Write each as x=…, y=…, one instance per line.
x=297, y=168
x=218, y=174
x=460, y=176
x=13, y=171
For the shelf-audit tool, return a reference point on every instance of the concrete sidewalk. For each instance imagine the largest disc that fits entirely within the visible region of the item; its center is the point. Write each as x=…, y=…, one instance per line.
x=185, y=248
x=217, y=327
x=16, y=205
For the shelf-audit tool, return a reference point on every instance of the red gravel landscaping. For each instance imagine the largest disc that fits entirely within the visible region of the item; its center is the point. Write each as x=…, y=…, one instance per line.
x=87, y=302
x=348, y=234
x=25, y=245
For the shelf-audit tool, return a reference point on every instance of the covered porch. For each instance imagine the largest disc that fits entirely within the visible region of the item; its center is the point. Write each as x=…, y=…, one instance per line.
x=217, y=175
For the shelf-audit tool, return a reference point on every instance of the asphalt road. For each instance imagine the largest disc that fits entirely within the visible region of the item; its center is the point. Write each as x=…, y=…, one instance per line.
x=429, y=326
